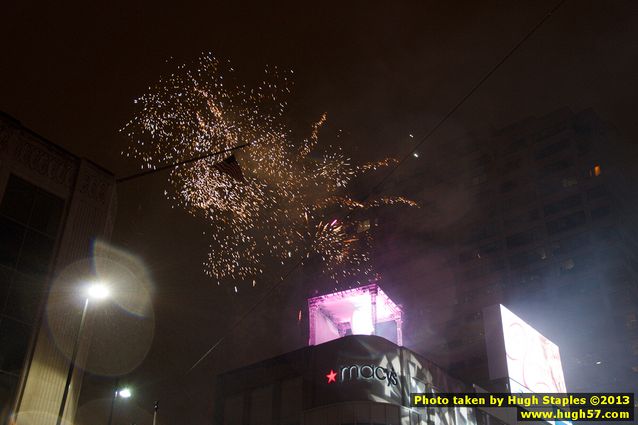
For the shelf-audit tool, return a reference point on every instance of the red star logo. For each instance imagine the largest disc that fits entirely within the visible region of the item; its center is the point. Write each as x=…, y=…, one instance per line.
x=332, y=376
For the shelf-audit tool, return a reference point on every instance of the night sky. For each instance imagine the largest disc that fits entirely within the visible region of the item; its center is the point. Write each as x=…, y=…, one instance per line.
x=381, y=71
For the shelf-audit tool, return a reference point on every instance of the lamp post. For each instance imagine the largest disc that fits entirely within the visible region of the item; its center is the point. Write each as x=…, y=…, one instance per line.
x=96, y=291
x=118, y=393
x=155, y=409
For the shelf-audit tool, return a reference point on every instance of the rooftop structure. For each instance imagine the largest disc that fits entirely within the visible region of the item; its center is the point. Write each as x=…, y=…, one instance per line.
x=365, y=310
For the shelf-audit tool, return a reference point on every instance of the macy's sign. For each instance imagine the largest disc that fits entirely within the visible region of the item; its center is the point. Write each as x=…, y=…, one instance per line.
x=348, y=373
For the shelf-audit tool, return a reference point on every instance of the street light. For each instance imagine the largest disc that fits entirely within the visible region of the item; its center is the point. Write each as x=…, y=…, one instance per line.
x=124, y=393
x=118, y=393
x=96, y=291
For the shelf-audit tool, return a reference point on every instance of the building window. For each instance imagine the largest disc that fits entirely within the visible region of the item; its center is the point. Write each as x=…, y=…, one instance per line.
x=557, y=166
x=521, y=218
x=29, y=222
x=28, y=205
x=11, y=237
x=14, y=338
x=530, y=277
x=552, y=149
x=483, y=231
x=570, y=181
x=595, y=171
x=519, y=199
x=489, y=248
x=563, y=204
x=480, y=252
x=522, y=238
x=566, y=223
x=571, y=245
x=549, y=132
x=526, y=258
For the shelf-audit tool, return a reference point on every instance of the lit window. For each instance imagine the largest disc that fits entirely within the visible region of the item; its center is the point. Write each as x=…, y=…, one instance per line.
x=595, y=171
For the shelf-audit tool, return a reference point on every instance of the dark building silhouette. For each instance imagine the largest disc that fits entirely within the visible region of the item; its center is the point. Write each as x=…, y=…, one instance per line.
x=541, y=217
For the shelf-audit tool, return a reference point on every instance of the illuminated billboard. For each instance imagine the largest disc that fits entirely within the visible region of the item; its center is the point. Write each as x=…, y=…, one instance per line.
x=533, y=361
x=520, y=355
x=365, y=310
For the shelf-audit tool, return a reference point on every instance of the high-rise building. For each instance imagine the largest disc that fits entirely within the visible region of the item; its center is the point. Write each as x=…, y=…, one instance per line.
x=539, y=216
x=53, y=207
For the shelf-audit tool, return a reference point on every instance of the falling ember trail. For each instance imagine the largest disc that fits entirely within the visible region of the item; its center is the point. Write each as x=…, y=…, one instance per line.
x=278, y=209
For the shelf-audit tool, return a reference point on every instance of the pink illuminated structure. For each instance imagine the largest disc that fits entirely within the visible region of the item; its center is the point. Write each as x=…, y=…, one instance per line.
x=365, y=310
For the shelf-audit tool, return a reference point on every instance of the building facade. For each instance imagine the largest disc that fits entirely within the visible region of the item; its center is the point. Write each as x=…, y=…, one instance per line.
x=543, y=220
x=53, y=207
x=353, y=379
x=349, y=374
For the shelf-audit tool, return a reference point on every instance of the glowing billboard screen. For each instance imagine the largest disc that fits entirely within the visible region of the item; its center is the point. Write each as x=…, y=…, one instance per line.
x=365, y=310
x=533, y=361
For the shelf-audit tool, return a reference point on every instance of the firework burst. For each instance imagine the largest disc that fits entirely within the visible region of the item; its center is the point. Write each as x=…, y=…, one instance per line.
x=284, y=206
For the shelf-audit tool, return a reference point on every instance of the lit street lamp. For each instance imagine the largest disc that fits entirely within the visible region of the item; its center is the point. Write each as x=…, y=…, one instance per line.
x=118, y=393
x=124, y=393
x=96, y=292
